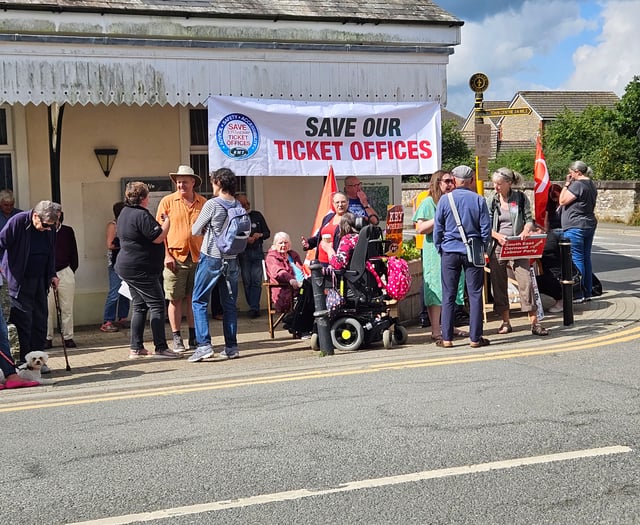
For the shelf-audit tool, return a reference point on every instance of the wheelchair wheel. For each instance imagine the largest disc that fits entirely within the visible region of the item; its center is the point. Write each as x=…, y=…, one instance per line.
x=347, y=334
x=400, y=334
x=387, y=340
x=314, y=343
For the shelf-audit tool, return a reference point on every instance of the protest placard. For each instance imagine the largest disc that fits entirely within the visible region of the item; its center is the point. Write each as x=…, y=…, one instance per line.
x=529, y=248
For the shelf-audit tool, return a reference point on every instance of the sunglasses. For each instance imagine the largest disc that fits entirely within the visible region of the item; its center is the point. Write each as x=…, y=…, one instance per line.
x=45, y=224
x=447, y=181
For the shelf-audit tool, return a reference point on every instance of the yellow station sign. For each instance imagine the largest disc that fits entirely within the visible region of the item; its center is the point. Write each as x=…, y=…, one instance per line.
x=502, y=112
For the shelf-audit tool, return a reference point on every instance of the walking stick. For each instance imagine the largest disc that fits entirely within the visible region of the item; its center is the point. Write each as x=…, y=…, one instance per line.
x=59, y=314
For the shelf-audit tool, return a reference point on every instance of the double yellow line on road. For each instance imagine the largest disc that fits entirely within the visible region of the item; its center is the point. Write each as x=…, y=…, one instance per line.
x=583, y=344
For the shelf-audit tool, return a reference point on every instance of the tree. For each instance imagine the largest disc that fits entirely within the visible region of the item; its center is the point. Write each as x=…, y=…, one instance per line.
x=606, y=139
x=455, y=150
x=521, y=161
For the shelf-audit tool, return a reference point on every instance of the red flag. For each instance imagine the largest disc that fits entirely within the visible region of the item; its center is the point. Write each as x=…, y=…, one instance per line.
x=541, y=186
x=324, y=206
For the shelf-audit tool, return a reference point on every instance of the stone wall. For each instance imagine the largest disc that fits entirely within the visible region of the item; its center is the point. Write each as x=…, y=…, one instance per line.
x=617, y=200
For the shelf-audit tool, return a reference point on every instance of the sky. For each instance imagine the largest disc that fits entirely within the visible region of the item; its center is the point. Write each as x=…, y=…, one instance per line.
x=586, y=45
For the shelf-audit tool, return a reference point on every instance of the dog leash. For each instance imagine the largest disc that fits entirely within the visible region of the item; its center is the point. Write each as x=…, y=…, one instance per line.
x=11, y=361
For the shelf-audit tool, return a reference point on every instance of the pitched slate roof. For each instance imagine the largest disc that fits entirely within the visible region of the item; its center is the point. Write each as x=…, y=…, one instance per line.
x=487, y=104
x=450, y=115
x=548, y=104
x=392, y=11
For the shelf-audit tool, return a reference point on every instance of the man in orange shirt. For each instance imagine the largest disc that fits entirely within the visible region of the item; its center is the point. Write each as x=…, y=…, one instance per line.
x=182, y=251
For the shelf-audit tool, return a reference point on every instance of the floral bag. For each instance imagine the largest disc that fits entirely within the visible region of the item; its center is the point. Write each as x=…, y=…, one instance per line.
x=334, y=299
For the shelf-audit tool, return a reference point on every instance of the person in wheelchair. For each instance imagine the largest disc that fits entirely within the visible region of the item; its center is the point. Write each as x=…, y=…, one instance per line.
x=339, y=259
x=355, y=270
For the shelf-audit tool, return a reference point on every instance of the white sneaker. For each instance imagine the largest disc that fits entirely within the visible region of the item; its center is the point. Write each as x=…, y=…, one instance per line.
x=230, y=353
x=202, y=352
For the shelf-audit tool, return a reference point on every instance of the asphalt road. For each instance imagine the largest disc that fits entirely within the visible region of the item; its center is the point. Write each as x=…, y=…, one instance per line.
x=509, y=439
x=258, y=442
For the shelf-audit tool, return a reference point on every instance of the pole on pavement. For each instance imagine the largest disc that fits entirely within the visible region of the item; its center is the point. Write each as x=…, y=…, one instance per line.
x=566, y=273
x=321, y=313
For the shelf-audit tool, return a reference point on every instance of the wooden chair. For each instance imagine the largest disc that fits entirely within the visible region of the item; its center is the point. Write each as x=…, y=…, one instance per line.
x=273, y=316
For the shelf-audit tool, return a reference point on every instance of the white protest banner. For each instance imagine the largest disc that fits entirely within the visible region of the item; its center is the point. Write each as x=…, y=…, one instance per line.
x=265, y=137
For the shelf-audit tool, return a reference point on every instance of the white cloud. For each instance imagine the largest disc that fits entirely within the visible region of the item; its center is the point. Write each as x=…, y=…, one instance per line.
x=611, y=64
x=502, y=46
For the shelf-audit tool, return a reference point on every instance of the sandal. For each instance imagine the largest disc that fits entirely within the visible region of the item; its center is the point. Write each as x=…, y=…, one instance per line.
x=483, y=341
x=460, y=333
x=436, y=338
x=505, y=328
x=538, y=329
x=444, y=344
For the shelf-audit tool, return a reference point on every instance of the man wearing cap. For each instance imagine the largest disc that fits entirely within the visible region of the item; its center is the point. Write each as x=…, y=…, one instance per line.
x=182, y=250
x=475, y=221
x=27, y=249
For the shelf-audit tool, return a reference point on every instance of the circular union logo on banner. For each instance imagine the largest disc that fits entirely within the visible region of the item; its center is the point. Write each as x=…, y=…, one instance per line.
x=237, y=136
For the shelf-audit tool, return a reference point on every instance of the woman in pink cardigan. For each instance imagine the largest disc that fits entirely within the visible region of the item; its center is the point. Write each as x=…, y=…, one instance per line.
x=284, y=266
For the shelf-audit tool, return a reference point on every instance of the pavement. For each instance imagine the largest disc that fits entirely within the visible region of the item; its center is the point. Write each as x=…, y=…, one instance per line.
x=100, y=363
x=101, y=360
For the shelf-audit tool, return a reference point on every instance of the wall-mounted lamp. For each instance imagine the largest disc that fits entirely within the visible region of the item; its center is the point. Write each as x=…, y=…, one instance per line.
x=106, y=158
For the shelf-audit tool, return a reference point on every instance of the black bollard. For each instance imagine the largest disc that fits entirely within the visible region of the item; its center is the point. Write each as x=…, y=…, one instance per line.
x=566, y=274
x=321, y=313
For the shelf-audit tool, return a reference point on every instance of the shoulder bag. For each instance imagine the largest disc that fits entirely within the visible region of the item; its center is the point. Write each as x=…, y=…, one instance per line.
x=474, y=245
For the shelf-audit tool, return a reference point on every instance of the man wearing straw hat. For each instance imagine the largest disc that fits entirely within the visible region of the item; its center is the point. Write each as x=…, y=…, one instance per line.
x=181, y=251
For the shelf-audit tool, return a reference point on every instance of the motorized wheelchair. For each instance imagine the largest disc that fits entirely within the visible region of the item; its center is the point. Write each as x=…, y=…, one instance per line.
x=364, y=318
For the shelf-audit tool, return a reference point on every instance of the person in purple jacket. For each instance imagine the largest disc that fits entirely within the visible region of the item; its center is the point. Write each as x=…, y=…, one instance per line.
x=27, y=252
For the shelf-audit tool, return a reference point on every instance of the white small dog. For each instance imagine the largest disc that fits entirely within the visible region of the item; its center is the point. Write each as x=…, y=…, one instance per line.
x=31, y=369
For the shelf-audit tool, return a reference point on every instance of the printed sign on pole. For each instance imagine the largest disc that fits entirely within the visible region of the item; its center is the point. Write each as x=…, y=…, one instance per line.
x=393, y=231
x=529, y=248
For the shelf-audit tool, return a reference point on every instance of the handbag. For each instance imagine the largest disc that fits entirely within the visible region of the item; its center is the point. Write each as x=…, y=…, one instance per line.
x=334, y=299
x=474, y=245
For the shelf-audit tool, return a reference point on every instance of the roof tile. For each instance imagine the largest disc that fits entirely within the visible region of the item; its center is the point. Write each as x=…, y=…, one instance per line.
x=399, y=11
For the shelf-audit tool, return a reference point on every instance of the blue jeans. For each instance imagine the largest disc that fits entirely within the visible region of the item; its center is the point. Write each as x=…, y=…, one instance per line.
x=251, y=267
x=6, y=361
x=581, y=243
x=209, y=270
x=452, y=265
x=114, y=300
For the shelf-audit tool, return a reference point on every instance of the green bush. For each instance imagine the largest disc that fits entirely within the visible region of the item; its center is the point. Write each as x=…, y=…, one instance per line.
x=409, y=250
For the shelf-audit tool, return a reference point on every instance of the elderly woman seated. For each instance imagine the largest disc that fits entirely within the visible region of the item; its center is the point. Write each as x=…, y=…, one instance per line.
x=284, y=266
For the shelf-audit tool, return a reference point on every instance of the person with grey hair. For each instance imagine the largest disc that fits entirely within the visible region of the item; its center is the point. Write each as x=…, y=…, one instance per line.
x=511, y=216
x=284, y=266
x=27, y=250
x=578, y=198
x=474, y=218
x=7, y=207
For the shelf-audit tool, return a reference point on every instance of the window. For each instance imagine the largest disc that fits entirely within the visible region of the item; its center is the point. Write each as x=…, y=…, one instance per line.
x=6, y=153
x=199, y=151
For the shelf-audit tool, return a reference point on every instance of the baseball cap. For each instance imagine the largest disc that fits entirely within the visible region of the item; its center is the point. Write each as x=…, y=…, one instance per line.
x=462, y=172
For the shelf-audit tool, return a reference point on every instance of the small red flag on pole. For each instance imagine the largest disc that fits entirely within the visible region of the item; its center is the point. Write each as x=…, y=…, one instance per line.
x=541, y=184
x=324, y=206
